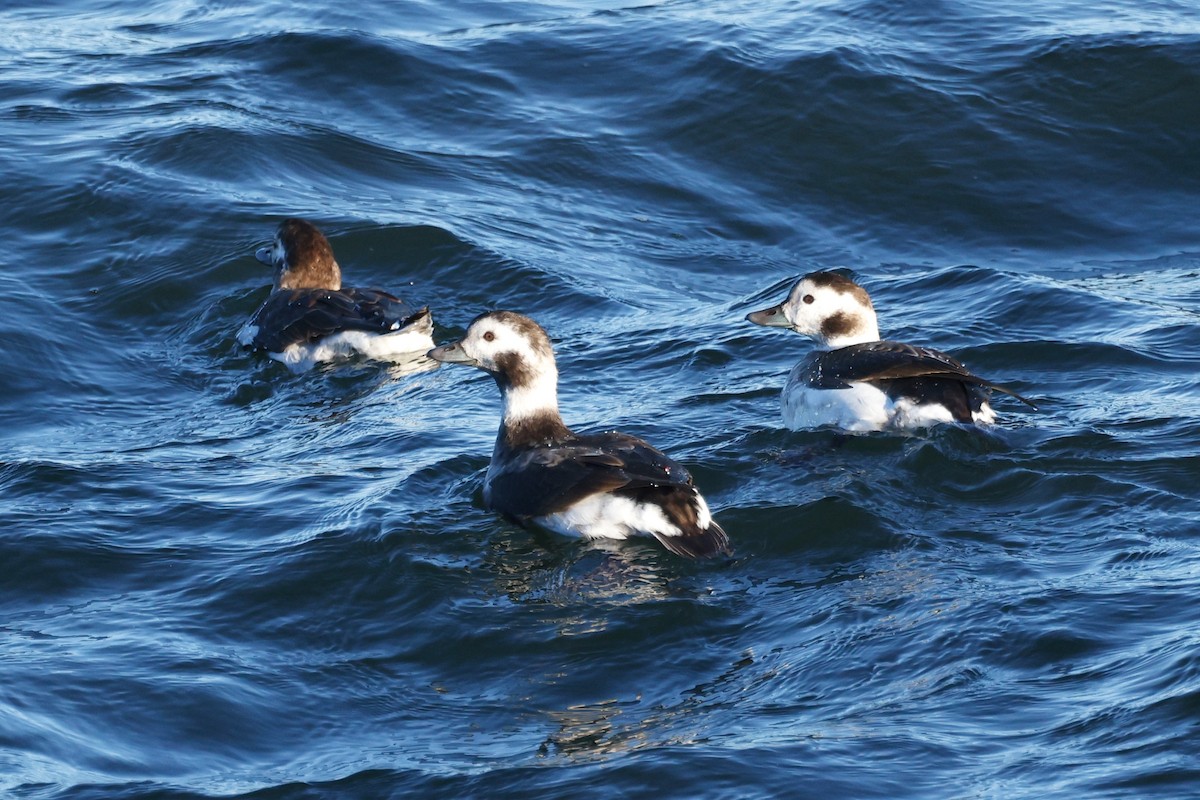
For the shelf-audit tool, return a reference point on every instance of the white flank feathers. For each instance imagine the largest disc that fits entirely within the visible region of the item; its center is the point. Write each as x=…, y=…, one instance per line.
x=608, y=516
x=382, y=347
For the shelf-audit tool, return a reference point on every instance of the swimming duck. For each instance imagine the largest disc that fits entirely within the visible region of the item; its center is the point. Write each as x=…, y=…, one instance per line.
x=857, y=382
x=309, y=316
x=597, y=486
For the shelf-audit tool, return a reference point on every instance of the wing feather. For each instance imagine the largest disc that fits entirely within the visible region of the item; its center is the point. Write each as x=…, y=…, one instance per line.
x=544, y=479
x=296, y=316
x=878, y=362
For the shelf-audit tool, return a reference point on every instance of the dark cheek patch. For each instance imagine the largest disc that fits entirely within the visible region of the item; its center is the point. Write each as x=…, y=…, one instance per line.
x=512, y=370
x=838, y=324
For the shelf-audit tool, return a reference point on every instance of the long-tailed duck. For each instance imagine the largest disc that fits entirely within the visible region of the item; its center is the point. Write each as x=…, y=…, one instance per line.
x=857, y=382
x=309, y=317
x=598, y=486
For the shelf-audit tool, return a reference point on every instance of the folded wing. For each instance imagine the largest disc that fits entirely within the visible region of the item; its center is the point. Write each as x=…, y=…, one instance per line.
x=544, y=480
x=884, y=361
x=306, y=315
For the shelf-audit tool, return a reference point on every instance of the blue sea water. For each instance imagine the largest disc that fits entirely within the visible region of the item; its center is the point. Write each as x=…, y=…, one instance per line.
x=218, y=579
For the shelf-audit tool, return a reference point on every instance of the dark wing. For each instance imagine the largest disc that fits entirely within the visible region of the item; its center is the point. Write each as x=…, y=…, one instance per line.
x=880, y=362
x=544, y=479
x=293, y=316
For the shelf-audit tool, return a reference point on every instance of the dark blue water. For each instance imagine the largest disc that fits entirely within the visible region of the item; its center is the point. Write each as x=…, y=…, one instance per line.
x=218, y=579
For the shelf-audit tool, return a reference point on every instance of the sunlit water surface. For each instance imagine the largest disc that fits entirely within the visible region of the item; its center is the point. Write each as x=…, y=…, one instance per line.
x=221, y=579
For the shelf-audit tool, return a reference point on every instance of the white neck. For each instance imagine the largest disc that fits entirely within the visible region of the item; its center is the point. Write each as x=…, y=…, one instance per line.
x=531, y=400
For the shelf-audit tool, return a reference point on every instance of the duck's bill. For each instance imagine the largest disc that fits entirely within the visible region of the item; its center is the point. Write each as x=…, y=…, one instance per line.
x=772, y=317
x=451, y=353
x=266, y=255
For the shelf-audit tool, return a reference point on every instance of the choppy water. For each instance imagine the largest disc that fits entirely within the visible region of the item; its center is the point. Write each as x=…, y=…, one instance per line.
x=220, y=579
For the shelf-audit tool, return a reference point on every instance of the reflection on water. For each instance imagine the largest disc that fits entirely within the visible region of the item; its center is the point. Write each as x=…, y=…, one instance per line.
x=591, y=731
x=575, y=579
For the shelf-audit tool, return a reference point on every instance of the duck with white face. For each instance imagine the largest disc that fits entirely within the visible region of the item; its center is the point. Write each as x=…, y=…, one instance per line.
x=855, y=381
x=596, y=486
x=310, y=317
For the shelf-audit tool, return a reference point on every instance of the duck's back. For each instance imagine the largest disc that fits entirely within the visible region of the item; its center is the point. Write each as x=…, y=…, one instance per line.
x=606, y=485
x=539, y=479
x=301, y=327
x=292, y=316
x=876, y=385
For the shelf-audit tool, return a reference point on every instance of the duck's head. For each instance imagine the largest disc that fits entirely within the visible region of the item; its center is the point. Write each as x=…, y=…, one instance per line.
x=514, y=350
x=827, y=306
x=302, y=257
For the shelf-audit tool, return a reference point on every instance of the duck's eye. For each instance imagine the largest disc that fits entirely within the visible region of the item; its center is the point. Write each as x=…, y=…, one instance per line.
x=489, y=336
x=808, y=298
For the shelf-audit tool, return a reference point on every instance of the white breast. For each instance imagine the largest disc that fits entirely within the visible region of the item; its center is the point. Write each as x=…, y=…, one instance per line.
x=859, y=408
